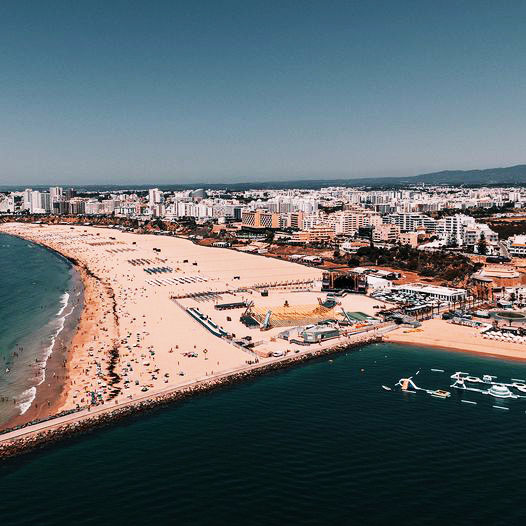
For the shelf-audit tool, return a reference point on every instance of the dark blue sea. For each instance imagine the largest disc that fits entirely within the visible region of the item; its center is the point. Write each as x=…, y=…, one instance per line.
x=320, y=443
x=38, y=289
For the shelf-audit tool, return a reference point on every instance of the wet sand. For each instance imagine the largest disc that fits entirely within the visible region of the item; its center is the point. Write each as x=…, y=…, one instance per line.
x=51, y=392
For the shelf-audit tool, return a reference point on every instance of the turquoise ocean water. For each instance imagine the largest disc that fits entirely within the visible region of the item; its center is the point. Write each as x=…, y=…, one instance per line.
x=37, y=291
x=320, y=443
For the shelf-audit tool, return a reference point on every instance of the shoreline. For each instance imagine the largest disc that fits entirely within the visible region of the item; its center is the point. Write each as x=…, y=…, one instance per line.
x=51, y=394
x=452, y=348
x=54, y=432
x=144, y=351
x=127, y=326
x=48, y=391
x=49, y=397
x=441, y=334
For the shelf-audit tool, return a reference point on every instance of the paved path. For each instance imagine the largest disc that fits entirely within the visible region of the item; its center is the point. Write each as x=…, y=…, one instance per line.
x=54, y=423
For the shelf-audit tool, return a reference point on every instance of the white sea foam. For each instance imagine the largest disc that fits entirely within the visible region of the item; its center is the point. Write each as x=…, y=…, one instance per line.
x=61, y=322
x=64, y=301
x=26, y=399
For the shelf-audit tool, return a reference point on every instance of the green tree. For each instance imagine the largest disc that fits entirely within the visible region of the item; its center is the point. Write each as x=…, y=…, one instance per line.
x=269, y=236
x=482, y=247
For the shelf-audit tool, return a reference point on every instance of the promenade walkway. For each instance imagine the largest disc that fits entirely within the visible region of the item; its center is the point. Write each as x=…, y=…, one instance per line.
x=95, y=411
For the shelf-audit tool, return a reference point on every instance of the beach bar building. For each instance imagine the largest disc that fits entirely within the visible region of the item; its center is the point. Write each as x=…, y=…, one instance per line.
x=445, y=294
x=319, y=334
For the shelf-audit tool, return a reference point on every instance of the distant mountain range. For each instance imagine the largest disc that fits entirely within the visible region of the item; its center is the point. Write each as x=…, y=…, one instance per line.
x=512, y=175
x=490, y=176
x=509, y=175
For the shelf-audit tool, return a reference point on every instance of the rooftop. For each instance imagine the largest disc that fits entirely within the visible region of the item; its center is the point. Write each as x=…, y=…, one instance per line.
x=430, y=289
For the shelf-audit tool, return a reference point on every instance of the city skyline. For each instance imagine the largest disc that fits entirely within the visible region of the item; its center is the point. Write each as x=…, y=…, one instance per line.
x=185, y=93
x=291, y=235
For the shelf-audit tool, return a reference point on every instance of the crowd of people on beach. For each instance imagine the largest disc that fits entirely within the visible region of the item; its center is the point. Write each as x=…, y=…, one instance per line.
x=113, y=355
x=134, y=340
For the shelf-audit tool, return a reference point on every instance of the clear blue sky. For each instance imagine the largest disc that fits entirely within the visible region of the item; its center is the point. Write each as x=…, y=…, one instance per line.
x=176, y=91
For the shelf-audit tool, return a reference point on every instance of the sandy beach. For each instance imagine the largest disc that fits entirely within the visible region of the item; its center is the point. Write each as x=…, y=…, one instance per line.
x=133, y=339
x=440, y=334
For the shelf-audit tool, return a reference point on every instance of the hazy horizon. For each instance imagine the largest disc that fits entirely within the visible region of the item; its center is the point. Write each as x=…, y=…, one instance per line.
x=253, y=181
x=232, y=92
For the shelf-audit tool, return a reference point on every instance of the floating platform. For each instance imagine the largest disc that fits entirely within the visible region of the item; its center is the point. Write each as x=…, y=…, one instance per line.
x=495, y=389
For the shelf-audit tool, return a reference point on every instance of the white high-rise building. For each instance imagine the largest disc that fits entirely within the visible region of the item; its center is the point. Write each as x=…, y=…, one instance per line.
x=40, y=202
x=308, y=206
x=45, y=201
x=26, y=199
x=56, y=193
x=410, y=222
x=155, y=197
x=36, y=202
x=452, y=228
x=348, y=223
